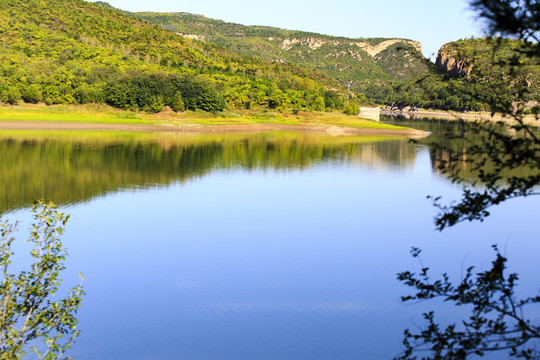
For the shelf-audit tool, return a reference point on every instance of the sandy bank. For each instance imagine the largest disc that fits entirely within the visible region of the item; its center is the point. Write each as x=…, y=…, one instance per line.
x=189, y=128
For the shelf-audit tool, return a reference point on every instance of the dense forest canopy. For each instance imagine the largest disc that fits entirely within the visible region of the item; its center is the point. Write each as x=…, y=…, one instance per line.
x=76, y=52
x=73, y=51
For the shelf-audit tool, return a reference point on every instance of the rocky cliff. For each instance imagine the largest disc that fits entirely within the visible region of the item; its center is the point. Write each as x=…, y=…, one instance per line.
x=453, y=63
x=373, y=50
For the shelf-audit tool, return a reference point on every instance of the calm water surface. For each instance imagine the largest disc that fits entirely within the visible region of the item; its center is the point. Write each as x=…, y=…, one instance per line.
x=273, y=246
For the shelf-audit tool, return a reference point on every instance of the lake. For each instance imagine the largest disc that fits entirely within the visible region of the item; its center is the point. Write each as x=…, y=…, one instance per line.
x=274, y=246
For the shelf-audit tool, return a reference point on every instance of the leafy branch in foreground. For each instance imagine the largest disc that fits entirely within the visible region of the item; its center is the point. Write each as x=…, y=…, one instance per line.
x=28, y=309
x=507, y=166
x=501, y=151
x=497, y=321
x=510, y=17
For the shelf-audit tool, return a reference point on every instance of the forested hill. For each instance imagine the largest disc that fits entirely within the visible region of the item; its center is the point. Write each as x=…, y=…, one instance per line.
x=472, y=75
x=73, y=51
x=358, y=62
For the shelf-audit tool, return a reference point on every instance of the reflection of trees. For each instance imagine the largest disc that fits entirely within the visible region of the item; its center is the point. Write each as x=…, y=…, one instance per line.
x=388, y=154
x=69, y=173
x=68, y=169
x=451, y=155
x=444, y=159
x=450, y=144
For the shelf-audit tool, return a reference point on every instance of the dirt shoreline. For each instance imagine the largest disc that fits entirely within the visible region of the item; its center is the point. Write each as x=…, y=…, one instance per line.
x=188, y=128
x=455, y=115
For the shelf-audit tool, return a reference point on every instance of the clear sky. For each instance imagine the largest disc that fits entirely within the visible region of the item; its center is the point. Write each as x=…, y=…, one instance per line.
x=432, y=22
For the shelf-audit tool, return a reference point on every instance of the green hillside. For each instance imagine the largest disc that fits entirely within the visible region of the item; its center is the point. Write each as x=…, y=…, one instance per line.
x=468, y=76
x=358, y=62
x=471, y=75
x=73, y=51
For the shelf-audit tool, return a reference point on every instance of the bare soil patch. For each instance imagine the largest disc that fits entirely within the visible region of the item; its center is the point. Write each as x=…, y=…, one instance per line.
x=189, y=128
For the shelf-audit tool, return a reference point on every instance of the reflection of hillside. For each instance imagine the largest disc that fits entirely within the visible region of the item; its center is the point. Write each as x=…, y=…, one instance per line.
x=70, y=173
x=386, y=155
x=68, y=169
x=445, y=161
x=450, y=145
x=442, y=160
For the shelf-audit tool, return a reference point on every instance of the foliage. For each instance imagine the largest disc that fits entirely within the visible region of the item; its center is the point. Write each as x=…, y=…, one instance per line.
x=516, y=18
x=497, y=321
x=77, y=52
x=493, y=73
x=29, y=311
x=177, y=104
x=351, y=109
x=336, y=57
x=32, y=94
x=13, y=96
x=502, y=151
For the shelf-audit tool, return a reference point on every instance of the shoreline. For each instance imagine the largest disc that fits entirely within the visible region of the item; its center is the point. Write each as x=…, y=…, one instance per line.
x=456, y=115
x=99, y=117
x=195, y=128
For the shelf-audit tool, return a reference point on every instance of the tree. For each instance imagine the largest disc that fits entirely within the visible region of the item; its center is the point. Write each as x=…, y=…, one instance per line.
x=32, y=94
x=351, y=108
x=177, y=103
x=13, y=95
x=497, y=321
x=521, y=19
x=318, y=104
x=514, y=18
x=29, y=312
x=156, y=104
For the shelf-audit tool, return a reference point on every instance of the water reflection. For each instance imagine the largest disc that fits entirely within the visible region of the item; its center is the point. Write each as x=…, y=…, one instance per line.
x=451, y=141
x=73, y=167
x=286, y=248
x=68, y=167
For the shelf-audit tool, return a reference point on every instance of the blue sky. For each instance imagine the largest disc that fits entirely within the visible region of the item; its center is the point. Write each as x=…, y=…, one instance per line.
x=432, y=22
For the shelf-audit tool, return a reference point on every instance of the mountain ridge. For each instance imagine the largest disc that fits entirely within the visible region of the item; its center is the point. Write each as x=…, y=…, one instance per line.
x=357, y=62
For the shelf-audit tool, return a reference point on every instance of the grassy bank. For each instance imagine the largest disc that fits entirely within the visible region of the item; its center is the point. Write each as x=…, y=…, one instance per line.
x=102, y=114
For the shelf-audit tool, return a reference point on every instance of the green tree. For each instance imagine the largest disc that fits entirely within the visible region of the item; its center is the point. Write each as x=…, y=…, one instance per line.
x=30, y=313
x=318, y=104
x=84, y=94
x=497, y=320
x=32, y=94
x=13, y=95
x=156, y=104
x=177, y=103
x=351, y=108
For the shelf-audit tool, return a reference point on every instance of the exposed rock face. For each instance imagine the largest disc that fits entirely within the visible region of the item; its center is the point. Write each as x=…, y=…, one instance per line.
x=372, y=50
x=192, y=36
x=312, y=43
x=449, y=61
